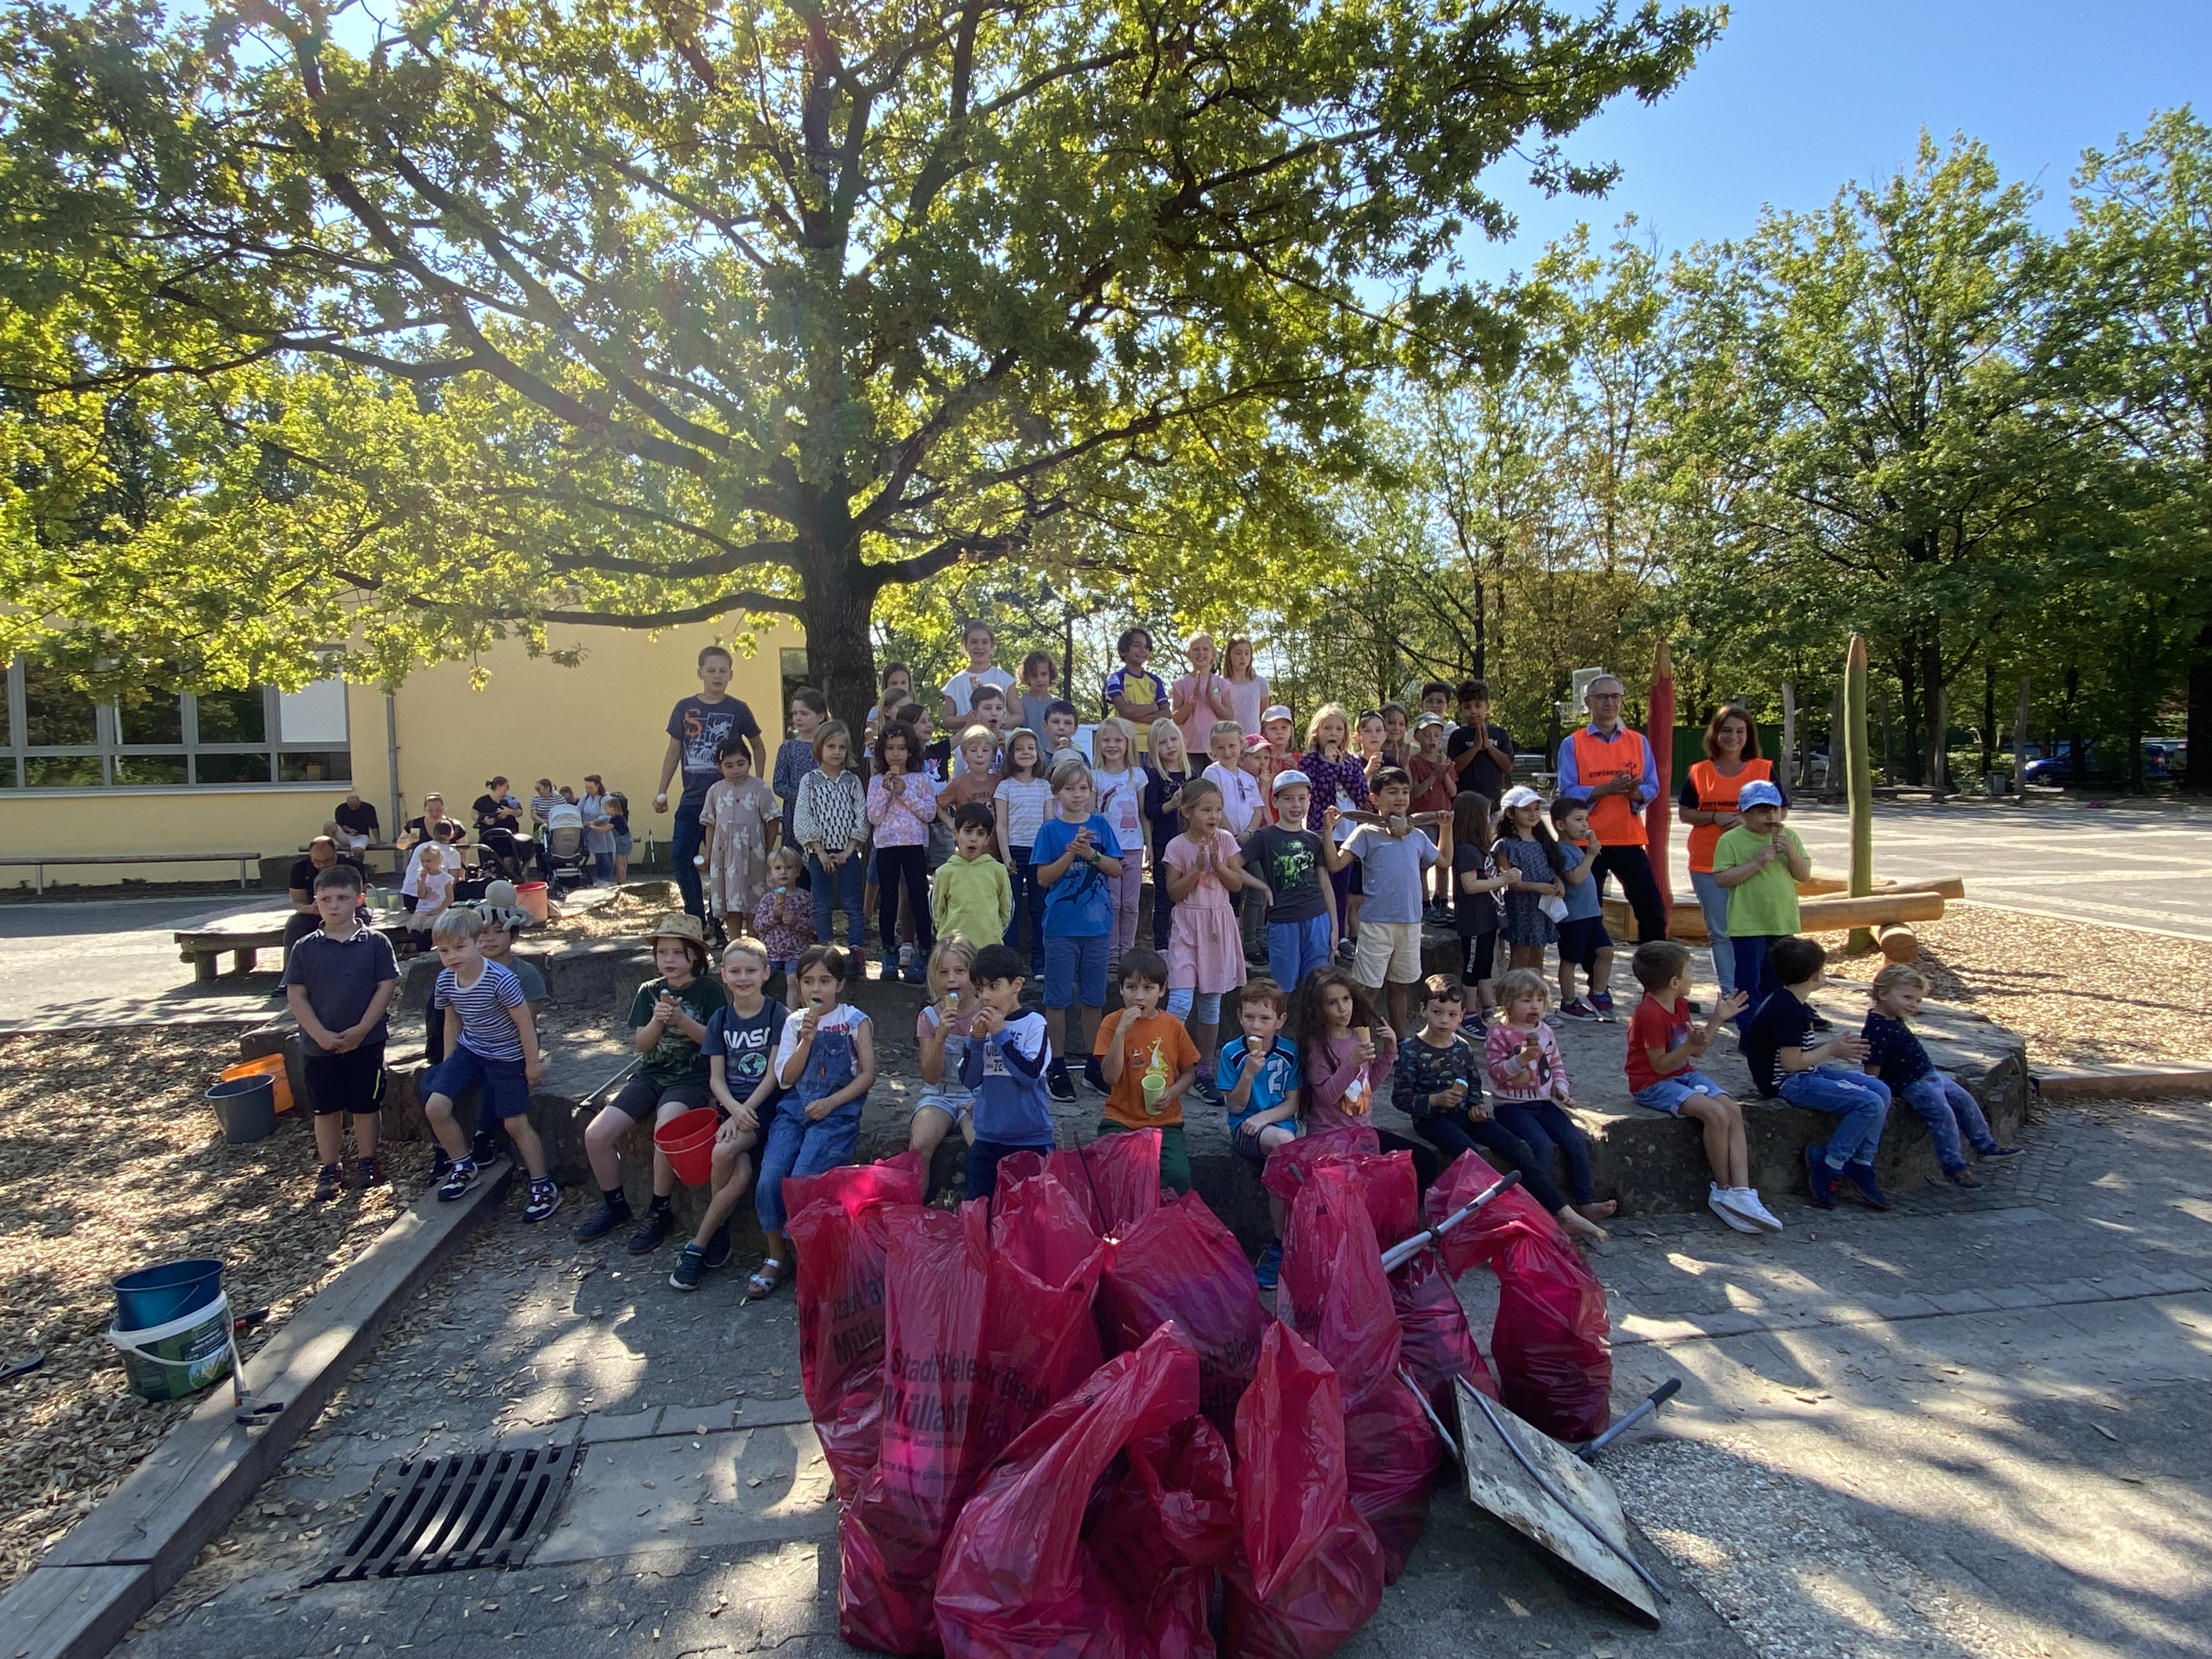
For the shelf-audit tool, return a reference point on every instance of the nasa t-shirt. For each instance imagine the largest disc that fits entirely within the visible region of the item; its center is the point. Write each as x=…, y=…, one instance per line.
x=745, y=1042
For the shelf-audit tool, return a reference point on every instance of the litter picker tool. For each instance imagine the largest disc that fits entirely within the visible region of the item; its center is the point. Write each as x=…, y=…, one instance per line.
x=1406, y=1248
x=1651, y=1402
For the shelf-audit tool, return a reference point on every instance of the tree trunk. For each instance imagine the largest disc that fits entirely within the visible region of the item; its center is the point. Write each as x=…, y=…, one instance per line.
x=840, y=599
x=2198, y=778
x=1481, y=670
x=1989, y=716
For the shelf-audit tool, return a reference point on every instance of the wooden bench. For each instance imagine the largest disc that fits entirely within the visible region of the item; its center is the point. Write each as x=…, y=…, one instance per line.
x=38, y=866
x=241, y=938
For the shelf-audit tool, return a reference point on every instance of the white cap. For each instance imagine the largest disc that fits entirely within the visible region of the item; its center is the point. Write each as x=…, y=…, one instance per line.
x=1275, y=711
x=1521, y=795
x=1292, y=779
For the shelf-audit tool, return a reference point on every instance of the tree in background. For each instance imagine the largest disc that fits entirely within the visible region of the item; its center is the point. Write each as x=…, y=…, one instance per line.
x=641, y=313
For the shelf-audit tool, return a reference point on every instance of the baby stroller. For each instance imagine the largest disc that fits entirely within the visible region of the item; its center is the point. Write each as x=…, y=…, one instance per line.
x=566, y=860
x=506, y=856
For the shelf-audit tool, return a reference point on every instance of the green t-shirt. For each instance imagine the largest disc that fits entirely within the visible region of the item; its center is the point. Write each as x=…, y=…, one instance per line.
x=1768, y=903
x=676, y=1058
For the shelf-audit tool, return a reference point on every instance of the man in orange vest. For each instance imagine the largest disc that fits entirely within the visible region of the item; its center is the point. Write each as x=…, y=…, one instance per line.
x=1611, y=767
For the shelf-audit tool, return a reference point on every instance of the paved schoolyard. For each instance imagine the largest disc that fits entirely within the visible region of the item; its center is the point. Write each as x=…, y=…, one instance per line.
x=1966, y=1429
x=2125, y=865
x=107, y=962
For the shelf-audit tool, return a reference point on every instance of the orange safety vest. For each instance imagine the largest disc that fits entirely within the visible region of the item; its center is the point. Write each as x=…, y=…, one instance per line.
x=1612, y=820
x=1717, y=793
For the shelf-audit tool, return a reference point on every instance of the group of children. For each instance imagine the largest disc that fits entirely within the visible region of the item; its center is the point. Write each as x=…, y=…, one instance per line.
x=1292, y=879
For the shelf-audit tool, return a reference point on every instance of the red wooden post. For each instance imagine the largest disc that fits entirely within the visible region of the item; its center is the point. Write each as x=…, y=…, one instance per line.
x=1659, y=732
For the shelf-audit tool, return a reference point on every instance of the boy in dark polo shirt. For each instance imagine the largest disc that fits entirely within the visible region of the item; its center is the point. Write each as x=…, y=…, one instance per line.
x=339, y=984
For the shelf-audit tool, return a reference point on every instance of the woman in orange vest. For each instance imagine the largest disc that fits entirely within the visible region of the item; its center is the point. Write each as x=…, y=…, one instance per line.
x=1611, y=768
x=1707, y=804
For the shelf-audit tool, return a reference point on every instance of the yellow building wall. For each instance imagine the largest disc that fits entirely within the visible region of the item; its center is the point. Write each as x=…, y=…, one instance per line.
x=532, y=718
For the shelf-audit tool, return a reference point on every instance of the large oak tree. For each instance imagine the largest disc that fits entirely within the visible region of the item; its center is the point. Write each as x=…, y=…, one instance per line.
x=649, y=311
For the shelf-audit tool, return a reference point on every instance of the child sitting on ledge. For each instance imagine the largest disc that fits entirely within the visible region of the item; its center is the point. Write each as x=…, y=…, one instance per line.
x=1894, y=1056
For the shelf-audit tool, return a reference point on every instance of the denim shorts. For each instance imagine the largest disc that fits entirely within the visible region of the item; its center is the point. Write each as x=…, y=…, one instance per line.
x=1075, y=969
x=1245, y=1142
x=1669, y=1093
x=505, y=1083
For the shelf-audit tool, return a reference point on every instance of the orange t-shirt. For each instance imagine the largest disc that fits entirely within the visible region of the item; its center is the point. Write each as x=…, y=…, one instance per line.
x=1126, y=1104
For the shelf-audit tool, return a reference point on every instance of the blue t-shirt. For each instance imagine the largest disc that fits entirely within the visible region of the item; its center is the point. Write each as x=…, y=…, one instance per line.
x=1005, y=1071
x=1896, y=1054
x=1585, y=899
x=1078, y=905
x=1278, y=1075
x=1782, y=1022
x=1390, y=868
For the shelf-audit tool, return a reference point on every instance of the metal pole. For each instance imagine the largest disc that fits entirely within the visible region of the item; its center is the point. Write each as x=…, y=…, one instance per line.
x=2020, y=745
x=391, y=765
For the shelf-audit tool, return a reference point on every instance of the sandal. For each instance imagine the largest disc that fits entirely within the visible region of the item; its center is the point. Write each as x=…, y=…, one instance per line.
x=762, y=1284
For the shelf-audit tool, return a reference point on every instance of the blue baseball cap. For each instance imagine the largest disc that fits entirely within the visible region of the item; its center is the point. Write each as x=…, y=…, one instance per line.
x=1758, y=794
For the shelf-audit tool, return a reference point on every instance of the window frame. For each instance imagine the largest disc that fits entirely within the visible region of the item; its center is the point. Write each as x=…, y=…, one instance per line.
x=17, y=755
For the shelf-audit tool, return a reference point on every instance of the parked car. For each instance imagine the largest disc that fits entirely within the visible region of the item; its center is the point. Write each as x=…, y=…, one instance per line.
x=2163, y=759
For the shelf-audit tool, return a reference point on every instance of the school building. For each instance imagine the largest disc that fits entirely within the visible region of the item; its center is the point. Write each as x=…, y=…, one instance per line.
x=258, y=771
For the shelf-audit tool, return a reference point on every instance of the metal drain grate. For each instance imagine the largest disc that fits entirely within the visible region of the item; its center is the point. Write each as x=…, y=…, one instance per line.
x=452, y=1514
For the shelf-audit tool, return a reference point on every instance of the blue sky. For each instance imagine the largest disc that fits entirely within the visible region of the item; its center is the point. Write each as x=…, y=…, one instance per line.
x=1801, y=95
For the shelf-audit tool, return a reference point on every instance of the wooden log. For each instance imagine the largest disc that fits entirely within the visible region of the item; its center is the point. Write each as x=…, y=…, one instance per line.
x=1822, y=916
x=1948, y=886
x=1898, y=941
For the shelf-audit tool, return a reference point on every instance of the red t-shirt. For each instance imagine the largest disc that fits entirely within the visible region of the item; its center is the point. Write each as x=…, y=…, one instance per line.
x=1654, y=1025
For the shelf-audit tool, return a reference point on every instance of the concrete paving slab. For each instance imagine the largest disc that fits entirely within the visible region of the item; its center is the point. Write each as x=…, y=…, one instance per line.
x=677, y=1493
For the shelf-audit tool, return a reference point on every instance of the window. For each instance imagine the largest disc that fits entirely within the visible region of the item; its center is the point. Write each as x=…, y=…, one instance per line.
x=54, y=737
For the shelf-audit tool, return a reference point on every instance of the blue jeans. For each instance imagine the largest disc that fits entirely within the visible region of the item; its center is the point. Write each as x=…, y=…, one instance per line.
x=1712, y=901
x=1294, y=949
x=1544, y=1125
x=684, y=844
x=1455, y=1133
x=1859, y=1103
x=1075, y=969
x=1028, y=919
x=843, y=886
x=984, y=1158
x=1754, y=977
x=1950, y=1111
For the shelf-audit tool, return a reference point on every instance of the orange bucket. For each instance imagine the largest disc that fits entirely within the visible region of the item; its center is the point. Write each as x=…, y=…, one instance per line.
x=270, y=1066
x=530, y=895
x=688, y=1144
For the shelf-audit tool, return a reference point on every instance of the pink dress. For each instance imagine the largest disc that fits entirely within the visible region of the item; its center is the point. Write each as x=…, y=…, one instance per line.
x=1205, y=951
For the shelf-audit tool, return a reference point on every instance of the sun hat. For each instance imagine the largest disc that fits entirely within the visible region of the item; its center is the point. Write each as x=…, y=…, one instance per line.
x=1292, y=779
x=1758, y=794
x=680, y=926
x=1275, y=711
x=1521, y=795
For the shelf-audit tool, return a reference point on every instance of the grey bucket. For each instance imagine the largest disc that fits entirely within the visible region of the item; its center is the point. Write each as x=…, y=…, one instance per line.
x=245, y=1107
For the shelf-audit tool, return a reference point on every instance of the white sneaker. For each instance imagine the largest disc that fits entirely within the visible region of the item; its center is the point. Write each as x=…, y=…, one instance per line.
x=1748, y=1204
x=1717, y=1200
x=906, y=958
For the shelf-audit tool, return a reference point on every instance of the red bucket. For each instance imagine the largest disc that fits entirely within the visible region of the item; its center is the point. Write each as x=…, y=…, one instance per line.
x=688, y=1143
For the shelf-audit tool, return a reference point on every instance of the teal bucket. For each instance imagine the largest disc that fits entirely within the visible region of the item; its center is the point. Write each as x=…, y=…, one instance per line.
x=245, y=1107
x=179, y=1357
x=154, y=1296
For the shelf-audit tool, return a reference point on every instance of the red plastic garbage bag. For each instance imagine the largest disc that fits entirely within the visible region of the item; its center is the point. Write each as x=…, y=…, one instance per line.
x=1117, y=1179
x=1434, y=1342
x=837, y=1220
x=1040, y=1341
x=1394, y=1194
x=1339, y=1301
x=1288, y=1165
x=936, y=1282
x=1483, y=1234
x=1555, y=1364
x=1024, y=1572
x=1180, y=1263
x=1331, y=1279
x=1311, y=1571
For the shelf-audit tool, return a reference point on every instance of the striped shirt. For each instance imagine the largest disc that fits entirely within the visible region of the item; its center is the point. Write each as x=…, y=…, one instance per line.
x=1027, y=800
x=486, y=1026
